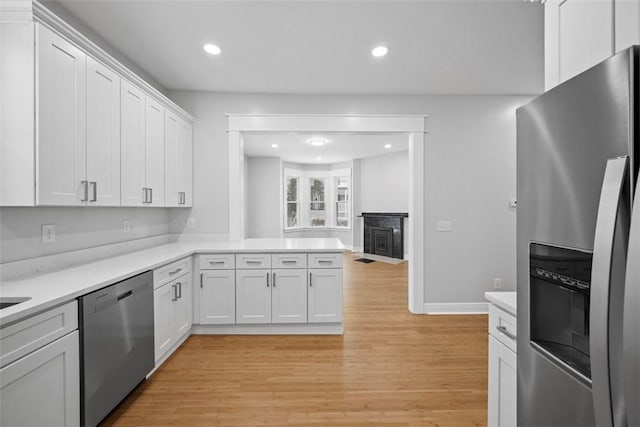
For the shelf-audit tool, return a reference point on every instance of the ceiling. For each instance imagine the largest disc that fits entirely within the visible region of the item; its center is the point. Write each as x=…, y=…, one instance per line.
x=295, y=147
x=323, y=47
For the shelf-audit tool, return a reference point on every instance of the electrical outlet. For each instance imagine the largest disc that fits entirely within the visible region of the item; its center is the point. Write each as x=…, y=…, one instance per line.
x=126, y=226
x=191, y=223
x=513, y=203
x=444, y=226
x=497, y=283
x=48, y=233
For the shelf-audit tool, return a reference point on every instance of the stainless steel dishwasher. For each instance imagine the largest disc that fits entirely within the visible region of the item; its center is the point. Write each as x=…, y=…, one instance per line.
x=116, y=341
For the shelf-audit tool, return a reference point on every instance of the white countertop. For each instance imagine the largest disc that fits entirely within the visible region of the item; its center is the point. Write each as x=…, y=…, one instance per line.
x=52, y=289
x=504, y=300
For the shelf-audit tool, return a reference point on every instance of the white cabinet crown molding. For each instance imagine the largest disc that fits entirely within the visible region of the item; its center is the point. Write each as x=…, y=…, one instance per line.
x=45, y=16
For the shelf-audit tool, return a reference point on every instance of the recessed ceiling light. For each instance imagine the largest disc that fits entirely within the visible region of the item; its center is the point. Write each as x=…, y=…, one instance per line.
x=318, y=158
x=387, y=146
x=317, y=141
x=212, y=49
x=379, y=51
x=274, y=145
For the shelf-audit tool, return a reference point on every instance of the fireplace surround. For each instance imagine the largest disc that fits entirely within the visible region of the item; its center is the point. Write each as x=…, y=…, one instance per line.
x=384, y=233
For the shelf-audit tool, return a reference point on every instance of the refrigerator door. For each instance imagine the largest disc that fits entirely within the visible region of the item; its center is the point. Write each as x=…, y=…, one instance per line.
x=607, y=295
x=565, y=138
x=631, y=327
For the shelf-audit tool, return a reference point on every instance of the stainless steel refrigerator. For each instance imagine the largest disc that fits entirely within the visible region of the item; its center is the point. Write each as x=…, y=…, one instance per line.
x=578, y=246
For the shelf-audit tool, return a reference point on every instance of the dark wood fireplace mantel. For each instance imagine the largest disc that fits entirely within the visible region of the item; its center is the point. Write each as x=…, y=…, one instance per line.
x=384, y=233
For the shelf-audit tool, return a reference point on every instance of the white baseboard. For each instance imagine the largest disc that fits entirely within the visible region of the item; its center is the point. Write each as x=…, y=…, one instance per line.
x=358, y=249
x=282, y=329
x=456, y=308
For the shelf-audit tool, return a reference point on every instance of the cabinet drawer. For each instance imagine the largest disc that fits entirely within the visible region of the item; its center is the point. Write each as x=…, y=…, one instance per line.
x=325, y=260
x=217, y=262
x=22, y=338
x=253, y=261
x=164, y=275
x=503, y=327
x=289, y=261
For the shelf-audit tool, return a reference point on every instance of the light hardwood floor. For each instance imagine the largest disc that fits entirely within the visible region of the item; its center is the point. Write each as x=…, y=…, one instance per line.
x=390, y=368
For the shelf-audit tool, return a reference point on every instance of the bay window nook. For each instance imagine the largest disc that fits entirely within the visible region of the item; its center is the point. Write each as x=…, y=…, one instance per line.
x=317, y=199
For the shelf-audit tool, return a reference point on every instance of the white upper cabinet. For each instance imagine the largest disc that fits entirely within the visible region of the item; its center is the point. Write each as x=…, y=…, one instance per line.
x=103, y=135
x=185, y=174
x=581, y=33
x=178, y=161
x=154, y=152
x=61, y=134
x=133, y=145
x=98, y=138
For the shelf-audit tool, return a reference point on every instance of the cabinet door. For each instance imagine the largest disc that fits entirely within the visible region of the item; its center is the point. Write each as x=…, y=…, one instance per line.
x=289, y=296
x=43, y=388
x=171, y=160
x=132, y=102
x=183, y=307
x=60, y=117
x=163, y=299
x=185, y=174
x=218, y=297
x=103, y=134
x=253, y=296
x=154, y=152
x=325, y=295
x=502, y=385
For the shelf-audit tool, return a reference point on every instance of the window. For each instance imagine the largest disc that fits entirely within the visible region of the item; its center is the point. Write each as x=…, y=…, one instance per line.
x=342, y=215
x=292, y=202
x=317, y=213
x=317, y=199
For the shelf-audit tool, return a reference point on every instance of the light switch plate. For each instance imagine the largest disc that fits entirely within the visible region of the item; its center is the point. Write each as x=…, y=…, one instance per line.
x=191, y=223
x=48, y=233
x=126, y=226
x=444, y=226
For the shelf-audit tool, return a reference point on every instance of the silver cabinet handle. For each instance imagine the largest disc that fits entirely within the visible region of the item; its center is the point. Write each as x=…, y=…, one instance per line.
x=631, y=338
x=176, y=271
x=179, y=289
x=250, y=261
x=504, y=330
x=604, y=289
x=267, y=280
x=150, y=195
x=216, y=262
x=288, y=261
x=85, y=185
x=310, y=279
x=94, y=184
x=183, y=197
x=179, y=198
x=201, y=280
x=273, y=282
x=325, y=261
x=175, y=293
x=144, y=195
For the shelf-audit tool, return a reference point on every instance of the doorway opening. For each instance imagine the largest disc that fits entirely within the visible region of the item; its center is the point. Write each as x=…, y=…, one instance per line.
x=327, y=207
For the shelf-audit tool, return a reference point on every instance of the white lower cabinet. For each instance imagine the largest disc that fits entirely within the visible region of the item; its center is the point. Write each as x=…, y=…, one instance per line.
x=40, y=373
x=253, y=296
x=325, y=295
x=503, y=373
x=289, y=296
x=172, y=313
x=43, y=388
x=218, y=297
x=502, y=385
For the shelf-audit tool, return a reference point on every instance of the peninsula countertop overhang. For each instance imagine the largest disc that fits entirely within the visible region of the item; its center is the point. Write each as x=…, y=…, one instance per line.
x=51, y=289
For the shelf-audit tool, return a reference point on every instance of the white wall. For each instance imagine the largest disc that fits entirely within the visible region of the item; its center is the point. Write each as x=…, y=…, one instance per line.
x=263, y=190
x=384, y=184
x=469, y=176
x=76, y=227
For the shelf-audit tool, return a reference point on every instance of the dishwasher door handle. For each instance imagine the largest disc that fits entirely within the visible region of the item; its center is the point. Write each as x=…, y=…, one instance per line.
x=125, y=295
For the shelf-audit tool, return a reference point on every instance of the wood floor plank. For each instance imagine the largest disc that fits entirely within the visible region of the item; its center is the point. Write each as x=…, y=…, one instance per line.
x=390, y=368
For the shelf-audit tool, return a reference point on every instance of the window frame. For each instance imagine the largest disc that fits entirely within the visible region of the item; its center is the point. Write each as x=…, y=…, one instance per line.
x=330, y=178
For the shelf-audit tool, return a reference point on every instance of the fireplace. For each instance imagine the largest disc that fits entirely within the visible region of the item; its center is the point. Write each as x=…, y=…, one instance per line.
x=384, y=233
